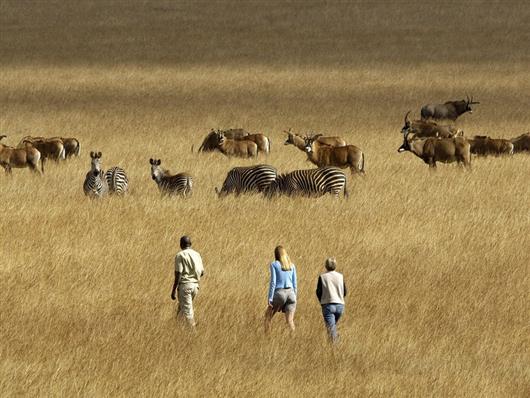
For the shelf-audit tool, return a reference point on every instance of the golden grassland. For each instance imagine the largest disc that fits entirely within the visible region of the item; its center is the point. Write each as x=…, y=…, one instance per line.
x=437, y=263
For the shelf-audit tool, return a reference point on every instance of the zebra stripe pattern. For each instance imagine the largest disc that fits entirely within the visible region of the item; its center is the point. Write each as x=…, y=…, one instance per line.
x=248, y=179
x=117, y=180
x=95, y=184
x=312, y=182
x=178, y=184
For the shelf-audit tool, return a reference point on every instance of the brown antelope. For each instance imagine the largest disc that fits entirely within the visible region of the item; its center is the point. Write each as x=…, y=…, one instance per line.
x=238, y=148
x=209, y=144
x=50, y=148
x=482, y=145
x=299, y=141
x=72, y=147
x=262, y=141
x=424, y=129
x=521, y=143
x=449, y=110
x=432, y=150
x=348, y=156
x=28, y=156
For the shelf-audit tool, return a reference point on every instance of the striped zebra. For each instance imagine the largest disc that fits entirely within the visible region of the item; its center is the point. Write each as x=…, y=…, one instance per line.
x=95, y=186
x=117, y=180
x=312, y=182
x=248, y=179
x=178, y=184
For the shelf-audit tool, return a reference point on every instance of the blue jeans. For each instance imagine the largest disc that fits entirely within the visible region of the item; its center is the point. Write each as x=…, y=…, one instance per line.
x=332, y=313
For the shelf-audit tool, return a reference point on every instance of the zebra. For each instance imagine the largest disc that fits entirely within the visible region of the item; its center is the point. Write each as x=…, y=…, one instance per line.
x=95, y=186
x=312, y=182
x=178, y=184
x=117, y=180
x=248, y=179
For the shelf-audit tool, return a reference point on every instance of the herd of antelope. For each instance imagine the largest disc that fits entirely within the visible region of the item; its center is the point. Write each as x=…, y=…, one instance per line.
x=427, y=138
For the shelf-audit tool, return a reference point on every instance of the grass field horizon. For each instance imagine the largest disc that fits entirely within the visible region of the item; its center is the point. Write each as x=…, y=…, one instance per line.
x=436, y=263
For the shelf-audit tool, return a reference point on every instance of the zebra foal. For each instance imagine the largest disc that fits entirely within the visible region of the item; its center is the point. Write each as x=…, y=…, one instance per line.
x=312, y=182
x=95, y=186
x=248, y=179
x=178, y=184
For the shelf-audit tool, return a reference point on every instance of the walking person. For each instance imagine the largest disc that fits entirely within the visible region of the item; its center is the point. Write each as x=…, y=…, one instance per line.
x=282, y=288
x=331, y=291
x=188, y=272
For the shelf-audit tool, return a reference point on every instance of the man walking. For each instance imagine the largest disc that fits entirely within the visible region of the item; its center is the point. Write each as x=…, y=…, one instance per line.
x=188, y=272
x=331, y=291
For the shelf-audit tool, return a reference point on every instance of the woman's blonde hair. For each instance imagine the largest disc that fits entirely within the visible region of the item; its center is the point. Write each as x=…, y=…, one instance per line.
x=281, y=255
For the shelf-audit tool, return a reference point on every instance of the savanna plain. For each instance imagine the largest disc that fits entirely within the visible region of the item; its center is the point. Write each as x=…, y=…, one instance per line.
x=437, y=263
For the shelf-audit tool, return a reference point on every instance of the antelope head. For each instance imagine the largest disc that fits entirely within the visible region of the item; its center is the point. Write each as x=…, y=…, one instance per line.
x=309, y=140
x=406, y=142
x=290, y=137
x=469, y=102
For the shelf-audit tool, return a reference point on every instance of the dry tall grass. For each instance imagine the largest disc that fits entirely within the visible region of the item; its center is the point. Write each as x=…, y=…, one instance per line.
x=437, y=264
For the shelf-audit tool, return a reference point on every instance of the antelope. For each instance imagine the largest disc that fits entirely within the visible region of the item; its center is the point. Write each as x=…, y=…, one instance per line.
x=483, y=145
x=299, y=141
x=27, y=156
x=209, y=143
x=348, y=156
x=449, y=110
x=72, y=147
x=238, y=148
x=521, y=143
x=432, y=150
x=423, y=129
x=50, y=148
x=168, y=184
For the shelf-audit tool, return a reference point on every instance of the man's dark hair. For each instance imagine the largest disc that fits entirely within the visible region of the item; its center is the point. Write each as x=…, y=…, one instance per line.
x=185, y=242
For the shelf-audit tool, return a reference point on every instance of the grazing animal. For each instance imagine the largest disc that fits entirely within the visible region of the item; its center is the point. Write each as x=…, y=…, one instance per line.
x=247, y=179
x=424, y=129
x=50, y=148
x=95, y=185
x=178, y=184
x=117, y=180
x=27, y=156
x=432, y=150
x=521, y=143
x=209, y=144
x=312, y=182
x=299, y=141
x=348, y=156
x=238, y=148
x=482, y=145
x=262, y=141
x=449, y=110
x=72, y=146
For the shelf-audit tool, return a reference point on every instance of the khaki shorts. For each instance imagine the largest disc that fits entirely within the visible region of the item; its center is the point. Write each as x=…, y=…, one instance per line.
x=284, y=300
x=187, y=293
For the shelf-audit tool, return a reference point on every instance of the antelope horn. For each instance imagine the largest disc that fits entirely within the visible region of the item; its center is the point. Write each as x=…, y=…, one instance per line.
x=407, y=117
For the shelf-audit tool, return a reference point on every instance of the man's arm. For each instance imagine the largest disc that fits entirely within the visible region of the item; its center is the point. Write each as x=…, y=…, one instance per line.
x=319, y=289
x=175, y=285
